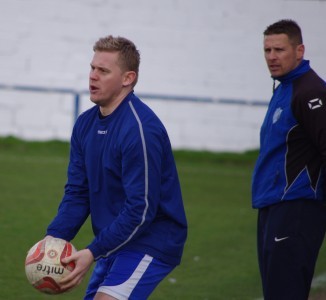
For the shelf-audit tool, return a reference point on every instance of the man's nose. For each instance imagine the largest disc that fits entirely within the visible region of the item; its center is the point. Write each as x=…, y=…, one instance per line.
x=93, y=75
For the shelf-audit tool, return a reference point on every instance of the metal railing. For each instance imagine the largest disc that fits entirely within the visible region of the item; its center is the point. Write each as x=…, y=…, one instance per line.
x=78, y=93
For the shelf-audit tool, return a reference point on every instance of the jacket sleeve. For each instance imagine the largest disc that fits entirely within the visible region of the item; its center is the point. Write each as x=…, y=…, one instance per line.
x=74, y=207
x=141, y=156
x=309, y=108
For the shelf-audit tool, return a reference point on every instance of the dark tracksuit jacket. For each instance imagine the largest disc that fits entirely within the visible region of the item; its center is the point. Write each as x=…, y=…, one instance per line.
x=292, y=154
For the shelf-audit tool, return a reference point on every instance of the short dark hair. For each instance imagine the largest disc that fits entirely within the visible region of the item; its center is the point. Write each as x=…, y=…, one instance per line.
x=288, y=27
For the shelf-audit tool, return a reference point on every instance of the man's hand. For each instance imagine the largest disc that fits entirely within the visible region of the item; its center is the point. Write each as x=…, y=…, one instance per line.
x=83, y=260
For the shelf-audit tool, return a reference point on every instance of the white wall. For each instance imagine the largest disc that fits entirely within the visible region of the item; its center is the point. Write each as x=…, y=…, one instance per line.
x=207, y=48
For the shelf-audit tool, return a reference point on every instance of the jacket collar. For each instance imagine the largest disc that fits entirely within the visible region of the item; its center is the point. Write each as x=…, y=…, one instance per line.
x=302, y=68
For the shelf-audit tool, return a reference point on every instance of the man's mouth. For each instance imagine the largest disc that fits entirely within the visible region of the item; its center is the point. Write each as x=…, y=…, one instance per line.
x=93, y=88
x=273, y=67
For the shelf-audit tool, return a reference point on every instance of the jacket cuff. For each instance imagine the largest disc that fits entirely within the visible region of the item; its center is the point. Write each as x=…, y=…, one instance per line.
x=96, y=251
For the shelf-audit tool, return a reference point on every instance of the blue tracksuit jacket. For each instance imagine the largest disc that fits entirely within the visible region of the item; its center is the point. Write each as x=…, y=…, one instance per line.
x=292, y=154
x=122, y=172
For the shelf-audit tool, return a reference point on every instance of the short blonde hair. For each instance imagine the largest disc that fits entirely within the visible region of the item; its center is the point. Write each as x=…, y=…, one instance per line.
x=129, y=56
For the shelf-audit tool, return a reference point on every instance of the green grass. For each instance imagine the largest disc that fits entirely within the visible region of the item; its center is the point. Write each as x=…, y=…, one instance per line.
x=219, y=261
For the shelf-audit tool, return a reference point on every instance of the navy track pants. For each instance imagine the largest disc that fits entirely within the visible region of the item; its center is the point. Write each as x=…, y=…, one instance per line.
x=289, y=236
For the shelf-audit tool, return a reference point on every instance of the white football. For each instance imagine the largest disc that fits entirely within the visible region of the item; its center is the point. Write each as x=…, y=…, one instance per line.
x=43, y=265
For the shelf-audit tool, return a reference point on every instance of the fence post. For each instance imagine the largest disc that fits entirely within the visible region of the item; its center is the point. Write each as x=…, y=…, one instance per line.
x=77, y=106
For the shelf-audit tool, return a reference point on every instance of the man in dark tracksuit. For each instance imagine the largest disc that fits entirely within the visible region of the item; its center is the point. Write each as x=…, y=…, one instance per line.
x=288, y=187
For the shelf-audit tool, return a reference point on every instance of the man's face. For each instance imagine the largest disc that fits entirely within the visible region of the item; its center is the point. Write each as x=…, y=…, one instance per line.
x=106, y=79
x=281, y=56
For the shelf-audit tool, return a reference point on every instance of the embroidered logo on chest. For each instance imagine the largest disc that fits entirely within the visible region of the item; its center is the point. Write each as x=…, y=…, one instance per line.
x=102, y=132
x=277, y=114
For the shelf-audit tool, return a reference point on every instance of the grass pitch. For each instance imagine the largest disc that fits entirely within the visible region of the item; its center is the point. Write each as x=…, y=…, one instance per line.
x=219, y=261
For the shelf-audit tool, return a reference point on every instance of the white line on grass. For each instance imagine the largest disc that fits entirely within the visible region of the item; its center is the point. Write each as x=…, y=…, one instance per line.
x=319, y=281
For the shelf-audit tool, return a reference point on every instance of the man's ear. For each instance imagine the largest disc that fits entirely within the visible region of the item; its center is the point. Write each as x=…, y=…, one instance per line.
x=128, y=78
x=300, y=51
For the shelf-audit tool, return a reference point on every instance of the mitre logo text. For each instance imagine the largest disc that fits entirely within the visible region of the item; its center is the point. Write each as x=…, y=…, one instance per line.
x=49, y=269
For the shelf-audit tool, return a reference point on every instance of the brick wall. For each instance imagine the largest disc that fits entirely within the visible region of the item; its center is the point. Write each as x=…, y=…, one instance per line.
x=191, y=48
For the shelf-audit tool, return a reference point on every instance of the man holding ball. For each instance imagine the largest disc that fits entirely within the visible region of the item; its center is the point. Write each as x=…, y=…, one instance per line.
x=122, y=173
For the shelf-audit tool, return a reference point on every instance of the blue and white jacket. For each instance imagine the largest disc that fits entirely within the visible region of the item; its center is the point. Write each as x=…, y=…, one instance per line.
x=292, y=154
x=122, y=172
